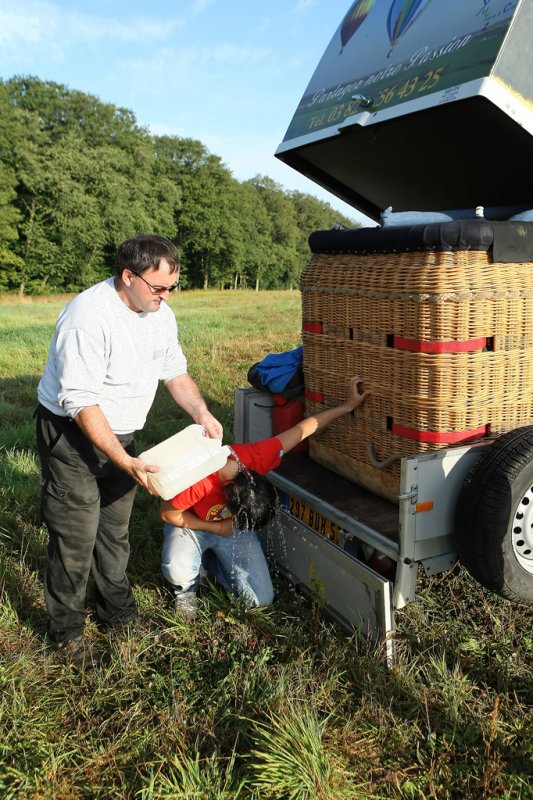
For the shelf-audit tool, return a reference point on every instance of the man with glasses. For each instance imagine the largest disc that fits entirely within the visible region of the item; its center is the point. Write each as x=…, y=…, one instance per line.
x=112, y=345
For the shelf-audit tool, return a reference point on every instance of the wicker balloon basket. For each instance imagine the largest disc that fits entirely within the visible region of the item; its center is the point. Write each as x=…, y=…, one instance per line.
x=443, y=338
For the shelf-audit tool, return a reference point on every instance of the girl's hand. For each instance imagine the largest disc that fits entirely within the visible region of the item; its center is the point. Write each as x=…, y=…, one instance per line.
x=355, y=395
x=225, y=527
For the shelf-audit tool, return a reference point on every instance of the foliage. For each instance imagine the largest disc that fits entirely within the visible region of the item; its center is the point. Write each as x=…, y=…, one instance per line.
x=78, y=176
x=272, y=703
x=204, y=227
x=84, y=174
x=291, y=759
x=9, y=214
x=282, y=264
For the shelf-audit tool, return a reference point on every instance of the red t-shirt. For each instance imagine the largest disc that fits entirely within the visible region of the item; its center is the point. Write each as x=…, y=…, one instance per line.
x=206, y=498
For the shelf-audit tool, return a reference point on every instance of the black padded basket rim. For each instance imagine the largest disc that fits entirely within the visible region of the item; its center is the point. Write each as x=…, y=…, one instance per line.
x=510, y=241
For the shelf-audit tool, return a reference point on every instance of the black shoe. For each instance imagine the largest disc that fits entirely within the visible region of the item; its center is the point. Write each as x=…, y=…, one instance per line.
x=78, y=652
x=124, y=625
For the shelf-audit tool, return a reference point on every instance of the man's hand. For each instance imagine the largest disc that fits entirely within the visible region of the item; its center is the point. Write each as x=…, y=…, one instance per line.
x=212, y=426
x=139, y=471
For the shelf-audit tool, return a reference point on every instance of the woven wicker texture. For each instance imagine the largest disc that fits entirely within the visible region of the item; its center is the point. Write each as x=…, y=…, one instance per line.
x=373, y=312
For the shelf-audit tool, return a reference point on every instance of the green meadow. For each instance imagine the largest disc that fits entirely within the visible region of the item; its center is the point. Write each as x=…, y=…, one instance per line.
x=279, y=703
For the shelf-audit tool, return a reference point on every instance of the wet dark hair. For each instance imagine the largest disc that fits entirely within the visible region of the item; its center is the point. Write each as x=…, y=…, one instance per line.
x=146, y=251
x=252, y=500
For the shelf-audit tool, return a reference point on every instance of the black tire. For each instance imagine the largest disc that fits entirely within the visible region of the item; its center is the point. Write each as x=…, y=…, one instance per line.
x=494, y=517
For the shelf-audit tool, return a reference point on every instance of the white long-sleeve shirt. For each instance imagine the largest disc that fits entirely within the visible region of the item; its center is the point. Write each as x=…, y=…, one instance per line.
x=105, y=354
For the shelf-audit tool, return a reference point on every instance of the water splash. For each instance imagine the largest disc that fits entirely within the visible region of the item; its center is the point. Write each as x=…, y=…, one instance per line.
x=275, y=541
x=242, y=467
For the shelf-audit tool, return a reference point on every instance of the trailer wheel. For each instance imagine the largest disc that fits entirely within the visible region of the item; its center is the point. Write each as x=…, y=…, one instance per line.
x=494, y=517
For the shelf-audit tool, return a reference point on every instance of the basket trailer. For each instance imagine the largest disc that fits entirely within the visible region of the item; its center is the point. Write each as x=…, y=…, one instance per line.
x=420, y=115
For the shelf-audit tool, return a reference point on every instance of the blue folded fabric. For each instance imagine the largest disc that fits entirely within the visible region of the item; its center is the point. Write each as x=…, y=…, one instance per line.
x=524, y=216
x=390, y=218
x=277, y=369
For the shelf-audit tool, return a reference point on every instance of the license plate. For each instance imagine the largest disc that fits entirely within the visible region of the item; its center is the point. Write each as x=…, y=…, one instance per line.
x=314, y=519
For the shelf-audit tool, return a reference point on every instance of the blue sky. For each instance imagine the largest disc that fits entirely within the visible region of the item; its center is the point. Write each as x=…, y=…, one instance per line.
x=227, y=72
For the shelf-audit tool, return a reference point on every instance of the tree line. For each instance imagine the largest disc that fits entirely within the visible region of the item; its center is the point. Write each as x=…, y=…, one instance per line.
x=77, y=176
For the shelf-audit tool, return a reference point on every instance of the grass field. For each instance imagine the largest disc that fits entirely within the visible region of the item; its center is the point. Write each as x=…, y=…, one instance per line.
x=242, y=705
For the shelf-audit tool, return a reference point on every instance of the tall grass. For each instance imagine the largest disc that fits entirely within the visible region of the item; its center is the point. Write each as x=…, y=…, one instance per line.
x=243, y=704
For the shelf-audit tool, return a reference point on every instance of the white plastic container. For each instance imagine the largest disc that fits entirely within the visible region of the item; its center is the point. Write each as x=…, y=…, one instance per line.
x=184, y=459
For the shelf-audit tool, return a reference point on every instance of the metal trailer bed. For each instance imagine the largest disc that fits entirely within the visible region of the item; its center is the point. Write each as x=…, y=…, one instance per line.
x=328, y=524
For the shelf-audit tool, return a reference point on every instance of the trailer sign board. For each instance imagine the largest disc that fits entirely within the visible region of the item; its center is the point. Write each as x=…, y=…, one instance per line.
x=407, y=83
x=401, y=51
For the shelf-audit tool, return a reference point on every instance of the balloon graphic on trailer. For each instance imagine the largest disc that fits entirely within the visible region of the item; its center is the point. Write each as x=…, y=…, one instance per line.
x=401, y=16
x=353, y=19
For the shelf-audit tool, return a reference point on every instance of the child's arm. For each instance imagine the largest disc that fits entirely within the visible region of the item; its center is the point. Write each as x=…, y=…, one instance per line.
x=187, y=519
x=310, y=425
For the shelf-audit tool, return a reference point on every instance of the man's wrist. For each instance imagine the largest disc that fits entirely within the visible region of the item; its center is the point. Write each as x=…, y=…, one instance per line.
x=199, y=413
x=123, y=461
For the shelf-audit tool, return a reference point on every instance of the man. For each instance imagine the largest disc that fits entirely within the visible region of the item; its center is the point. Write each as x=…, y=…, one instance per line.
x=112, y=345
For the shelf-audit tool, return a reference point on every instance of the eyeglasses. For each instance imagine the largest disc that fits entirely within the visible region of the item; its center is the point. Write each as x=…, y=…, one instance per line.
x=157, y=289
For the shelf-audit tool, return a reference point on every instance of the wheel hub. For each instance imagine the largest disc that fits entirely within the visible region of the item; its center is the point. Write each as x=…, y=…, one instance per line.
x=522, y=537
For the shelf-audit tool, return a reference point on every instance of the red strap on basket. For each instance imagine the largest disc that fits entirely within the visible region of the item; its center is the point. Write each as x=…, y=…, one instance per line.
x=316, y=397
x=313, y=327
x=435, y=437
x=420, y=346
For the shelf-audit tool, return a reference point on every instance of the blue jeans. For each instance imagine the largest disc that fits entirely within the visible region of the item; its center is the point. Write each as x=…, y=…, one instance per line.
x=237, y=562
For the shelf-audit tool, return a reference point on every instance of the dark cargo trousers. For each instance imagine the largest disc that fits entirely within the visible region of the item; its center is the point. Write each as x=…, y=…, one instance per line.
x=86, y=505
